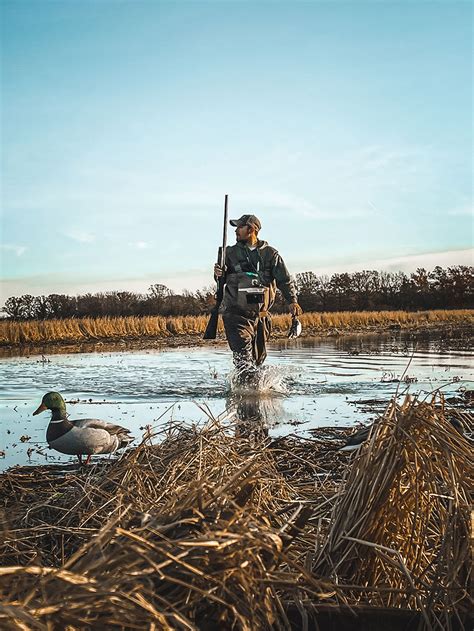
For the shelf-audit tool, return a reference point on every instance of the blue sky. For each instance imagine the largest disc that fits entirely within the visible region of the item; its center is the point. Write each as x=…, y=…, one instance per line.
x=345, y=126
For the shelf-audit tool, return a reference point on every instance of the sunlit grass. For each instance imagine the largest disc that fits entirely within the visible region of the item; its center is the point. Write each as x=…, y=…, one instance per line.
x=128, y=328
x=367, y=320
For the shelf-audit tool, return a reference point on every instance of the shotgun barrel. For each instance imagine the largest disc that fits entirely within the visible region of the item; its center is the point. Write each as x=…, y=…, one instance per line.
x=211, y=330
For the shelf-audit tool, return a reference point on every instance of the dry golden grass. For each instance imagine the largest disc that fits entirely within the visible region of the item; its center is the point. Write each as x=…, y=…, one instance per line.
x=128, y=328
x=203, y=528
x=400, y=530
x=211, y=529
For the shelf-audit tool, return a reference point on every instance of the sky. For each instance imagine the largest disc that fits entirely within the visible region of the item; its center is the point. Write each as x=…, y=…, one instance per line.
x=346, y=127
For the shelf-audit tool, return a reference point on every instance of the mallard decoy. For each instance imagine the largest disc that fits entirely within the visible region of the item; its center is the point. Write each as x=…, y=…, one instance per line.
x=354, y=441
x=81, y=437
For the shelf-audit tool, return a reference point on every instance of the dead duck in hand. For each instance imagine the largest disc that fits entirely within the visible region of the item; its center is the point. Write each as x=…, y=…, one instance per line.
x=82, y=437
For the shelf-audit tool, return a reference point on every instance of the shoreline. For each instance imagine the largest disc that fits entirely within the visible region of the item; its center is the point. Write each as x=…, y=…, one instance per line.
x=190, y=340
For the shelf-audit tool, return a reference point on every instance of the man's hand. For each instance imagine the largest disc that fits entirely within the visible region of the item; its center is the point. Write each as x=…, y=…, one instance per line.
x=218, y=271
x=295, y=309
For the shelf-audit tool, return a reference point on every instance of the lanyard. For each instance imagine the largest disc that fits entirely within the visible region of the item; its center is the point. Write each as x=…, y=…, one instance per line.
x=247, y=256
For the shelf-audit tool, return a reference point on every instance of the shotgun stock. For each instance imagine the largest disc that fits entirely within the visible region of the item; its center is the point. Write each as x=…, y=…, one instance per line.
x=211, y=329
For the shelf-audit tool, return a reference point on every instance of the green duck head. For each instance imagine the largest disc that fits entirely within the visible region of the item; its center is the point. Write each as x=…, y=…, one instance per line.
x=52, y=401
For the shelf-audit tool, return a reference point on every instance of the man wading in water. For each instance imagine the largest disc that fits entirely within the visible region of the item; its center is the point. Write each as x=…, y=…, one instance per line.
x=253, y=270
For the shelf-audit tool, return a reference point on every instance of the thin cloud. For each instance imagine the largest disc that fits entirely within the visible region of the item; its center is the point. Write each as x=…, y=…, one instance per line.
x=80, y=236
x=406, y=263
x=302, y=206
x=139, y=245
x=462, y=211
x=16, y=249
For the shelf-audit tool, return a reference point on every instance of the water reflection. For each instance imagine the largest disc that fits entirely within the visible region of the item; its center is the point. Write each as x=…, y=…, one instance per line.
x=304, y=384
x=257, y=399
x=251, y=421
x=255, y=412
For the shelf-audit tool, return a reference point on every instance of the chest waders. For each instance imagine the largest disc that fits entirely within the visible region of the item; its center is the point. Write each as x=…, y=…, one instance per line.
x=246, y=318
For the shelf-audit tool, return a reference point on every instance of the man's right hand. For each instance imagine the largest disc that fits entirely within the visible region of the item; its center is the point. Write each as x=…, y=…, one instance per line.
x=218, y=271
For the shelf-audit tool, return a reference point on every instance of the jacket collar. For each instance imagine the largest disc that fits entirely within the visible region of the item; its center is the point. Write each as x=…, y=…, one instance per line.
x=260, y=244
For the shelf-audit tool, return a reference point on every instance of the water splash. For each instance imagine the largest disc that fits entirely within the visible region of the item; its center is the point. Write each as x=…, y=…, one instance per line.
x=260, y=381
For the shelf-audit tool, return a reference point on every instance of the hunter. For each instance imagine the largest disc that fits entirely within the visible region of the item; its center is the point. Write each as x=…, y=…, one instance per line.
x=253, y=270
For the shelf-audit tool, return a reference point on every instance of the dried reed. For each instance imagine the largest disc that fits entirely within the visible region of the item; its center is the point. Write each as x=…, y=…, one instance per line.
x=213, y=528
x=201, y=529
x=400, y=530
x=129, y=328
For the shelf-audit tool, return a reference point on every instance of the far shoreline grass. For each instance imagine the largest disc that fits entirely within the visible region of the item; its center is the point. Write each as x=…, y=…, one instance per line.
x=171, y=330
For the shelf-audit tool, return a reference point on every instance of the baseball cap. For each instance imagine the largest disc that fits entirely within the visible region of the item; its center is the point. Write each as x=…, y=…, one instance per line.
x=246, y=220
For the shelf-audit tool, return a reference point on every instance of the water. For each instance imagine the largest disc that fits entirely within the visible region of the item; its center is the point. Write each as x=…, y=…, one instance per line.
x=306, y=383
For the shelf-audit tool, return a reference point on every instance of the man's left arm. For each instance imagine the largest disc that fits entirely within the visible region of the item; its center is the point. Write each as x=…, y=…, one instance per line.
x=286, y=285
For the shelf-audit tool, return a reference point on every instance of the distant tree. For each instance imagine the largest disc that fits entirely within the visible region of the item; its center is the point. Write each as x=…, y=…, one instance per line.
x=341, y=288
x=206, y=298
x=160, y=291
x=42, y=308
x=21, y=308
x=62, y=306
x=307, y=284
x=364, y=289
x=462, y=285
x=391, y=284
x=13, y=307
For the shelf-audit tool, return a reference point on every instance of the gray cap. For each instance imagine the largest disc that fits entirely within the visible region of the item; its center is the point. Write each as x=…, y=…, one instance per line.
x=246, y=220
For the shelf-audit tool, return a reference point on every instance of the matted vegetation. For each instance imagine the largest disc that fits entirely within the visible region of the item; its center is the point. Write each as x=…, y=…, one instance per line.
x=400, y=533
x=131, y=328
x=216, y=528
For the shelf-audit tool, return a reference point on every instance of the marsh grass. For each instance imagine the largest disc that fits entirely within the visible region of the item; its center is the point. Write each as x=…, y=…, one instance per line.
x=214, y=529
x=400, y=531
x=130, y=328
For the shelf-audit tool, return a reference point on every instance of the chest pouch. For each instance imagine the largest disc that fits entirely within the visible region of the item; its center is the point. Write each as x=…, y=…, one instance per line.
x=251, y=293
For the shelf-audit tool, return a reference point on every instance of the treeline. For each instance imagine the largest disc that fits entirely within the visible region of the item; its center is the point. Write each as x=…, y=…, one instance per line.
x=451, y=288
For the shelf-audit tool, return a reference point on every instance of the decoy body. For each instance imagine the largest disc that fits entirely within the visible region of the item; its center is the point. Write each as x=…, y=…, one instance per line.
x=83, y=437
x=354, y=441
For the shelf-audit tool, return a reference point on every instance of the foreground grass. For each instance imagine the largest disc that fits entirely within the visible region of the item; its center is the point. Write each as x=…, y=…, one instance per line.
x=89, y=329
x=222, y=527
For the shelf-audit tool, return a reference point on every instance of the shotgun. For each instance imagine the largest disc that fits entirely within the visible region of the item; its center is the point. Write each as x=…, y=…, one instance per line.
x=211, y=329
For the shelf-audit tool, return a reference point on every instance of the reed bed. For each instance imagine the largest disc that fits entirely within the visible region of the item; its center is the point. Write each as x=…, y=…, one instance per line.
x=130, y=328
x=222, y=527
x=400, y=530
x=204, y=530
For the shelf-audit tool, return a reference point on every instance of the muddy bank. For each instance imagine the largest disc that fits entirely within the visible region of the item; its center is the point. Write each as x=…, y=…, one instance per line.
x=464, y=333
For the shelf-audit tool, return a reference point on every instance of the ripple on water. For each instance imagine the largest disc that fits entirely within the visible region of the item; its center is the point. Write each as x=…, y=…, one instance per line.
x=308, y=384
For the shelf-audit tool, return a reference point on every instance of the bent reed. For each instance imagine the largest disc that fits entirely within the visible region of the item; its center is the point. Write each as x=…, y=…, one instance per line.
x=17, y=333
x=223, y=527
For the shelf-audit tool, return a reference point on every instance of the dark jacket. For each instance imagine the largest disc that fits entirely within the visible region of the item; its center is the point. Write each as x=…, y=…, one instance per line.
x=264, y=261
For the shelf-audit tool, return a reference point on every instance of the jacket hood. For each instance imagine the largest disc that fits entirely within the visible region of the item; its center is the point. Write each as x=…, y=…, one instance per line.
x=260, y=244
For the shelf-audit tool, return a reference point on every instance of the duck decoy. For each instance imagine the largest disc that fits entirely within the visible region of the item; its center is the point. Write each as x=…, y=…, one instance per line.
x=354, y=441
x=82, y=437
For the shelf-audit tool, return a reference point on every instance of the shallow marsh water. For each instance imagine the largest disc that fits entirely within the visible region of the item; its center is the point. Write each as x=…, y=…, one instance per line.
x=307, y=383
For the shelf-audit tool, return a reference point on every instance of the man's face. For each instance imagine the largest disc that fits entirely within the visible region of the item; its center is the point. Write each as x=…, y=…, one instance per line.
x=242, y=233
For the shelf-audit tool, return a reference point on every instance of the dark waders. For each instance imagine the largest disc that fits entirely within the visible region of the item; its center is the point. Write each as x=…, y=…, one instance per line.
x=247, y=337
